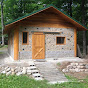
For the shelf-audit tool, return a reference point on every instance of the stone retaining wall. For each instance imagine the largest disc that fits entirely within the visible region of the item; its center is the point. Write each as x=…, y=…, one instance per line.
x=76, y=67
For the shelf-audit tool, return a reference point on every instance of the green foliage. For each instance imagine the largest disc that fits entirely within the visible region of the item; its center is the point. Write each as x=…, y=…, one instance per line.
x=70, y=78
x=14, y=81
x=58, y=64
x=3, y=47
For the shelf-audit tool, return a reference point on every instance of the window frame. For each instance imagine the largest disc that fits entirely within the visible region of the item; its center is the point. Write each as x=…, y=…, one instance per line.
x=61, y=37
x=27, y=38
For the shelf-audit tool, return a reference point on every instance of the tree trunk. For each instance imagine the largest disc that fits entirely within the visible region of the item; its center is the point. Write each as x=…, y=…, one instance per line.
x=2, y=21
x=70, y=7
x=84, y=43
x=84, y=32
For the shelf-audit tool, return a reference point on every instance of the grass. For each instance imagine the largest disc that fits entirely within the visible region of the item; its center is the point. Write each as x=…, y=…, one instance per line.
x=3, y=47
x=58, y=64
x=1, y=52
x=26, y=82
x=70, y=78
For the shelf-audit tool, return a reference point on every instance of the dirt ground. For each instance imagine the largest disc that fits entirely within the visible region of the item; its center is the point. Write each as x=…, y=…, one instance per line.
x=78, y=75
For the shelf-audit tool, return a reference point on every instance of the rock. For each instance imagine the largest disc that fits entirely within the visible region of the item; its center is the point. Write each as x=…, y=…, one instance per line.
x=16, y=70
x=13, y=73
x=32, y=68
x=3, y=72
x=69, y=67
x=77, y=70
x=34, y=71
x=76, y=64
x=73, y=64
x=39, y=78
x=8, y=73
x=82, y=64
x=86, y=66
x=28, y=68
x=82, y=67
x=86, y=70
x=19, y=73
x=36, y=75
x=78, y=67
x=72, y=70
x=65, y=70
x=24, y=70
x=8, y=69
x=82, y=70
x=29, y=71
x=12, y=69
x=74, y=67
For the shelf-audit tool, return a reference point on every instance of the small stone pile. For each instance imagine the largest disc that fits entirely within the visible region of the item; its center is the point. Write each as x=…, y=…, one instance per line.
x=76, y=67
x=18, y=70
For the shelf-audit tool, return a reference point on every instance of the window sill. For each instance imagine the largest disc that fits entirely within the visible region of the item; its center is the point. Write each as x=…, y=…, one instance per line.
x=25, y=43
x=60, y=44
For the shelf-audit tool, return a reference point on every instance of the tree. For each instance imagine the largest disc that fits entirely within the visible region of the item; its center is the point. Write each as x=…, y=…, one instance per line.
x=2, y=21
x=84, y=33
x=70, y=7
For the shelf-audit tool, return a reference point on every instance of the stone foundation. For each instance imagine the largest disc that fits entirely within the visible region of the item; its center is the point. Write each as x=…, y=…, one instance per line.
x=25, y=55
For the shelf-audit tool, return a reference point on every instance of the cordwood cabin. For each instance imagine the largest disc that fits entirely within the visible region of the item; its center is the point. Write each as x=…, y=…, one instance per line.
x=46, y=33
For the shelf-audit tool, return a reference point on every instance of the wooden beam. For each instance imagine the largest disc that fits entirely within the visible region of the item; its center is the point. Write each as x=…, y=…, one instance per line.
x=75, y=42
x=16, y=44
x=46, y=32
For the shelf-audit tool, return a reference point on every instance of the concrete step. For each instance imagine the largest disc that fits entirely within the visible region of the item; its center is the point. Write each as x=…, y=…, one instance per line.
x=36, y=75
x=33, y=68
x=39, y=78
x=34, y=71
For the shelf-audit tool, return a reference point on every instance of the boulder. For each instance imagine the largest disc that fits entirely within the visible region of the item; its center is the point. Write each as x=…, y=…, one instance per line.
x=73, y=64
x=19, y=73
x=8, y=73
x=65, y=70
x=76, y=64
x=29, y=71
x=8, y=69
x=77, y=70
x=72, y=70
x=3, y=72
x=69, y=67
x=86, y=70
x=24, y=70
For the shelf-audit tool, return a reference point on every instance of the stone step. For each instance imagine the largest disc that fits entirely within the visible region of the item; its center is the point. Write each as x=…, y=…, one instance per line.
x=37, y=75
x=39, y=78
x=33, y=68
x=34, y=71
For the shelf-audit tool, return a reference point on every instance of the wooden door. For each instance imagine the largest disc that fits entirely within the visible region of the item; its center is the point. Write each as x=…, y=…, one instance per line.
x=38, y=46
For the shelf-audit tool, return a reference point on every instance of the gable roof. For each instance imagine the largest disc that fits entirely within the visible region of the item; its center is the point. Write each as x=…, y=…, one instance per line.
x=45, y=8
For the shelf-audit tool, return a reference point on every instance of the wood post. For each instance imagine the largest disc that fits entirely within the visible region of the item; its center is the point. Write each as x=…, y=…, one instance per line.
x=75, y=42
x=16, y=44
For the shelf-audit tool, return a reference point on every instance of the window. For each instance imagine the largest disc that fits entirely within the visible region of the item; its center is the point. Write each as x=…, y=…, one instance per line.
x=25, y=38
x=60, y=40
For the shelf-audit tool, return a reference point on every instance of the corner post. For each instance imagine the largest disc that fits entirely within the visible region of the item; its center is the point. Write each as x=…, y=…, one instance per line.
x=16, y=44
x=75, y=42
